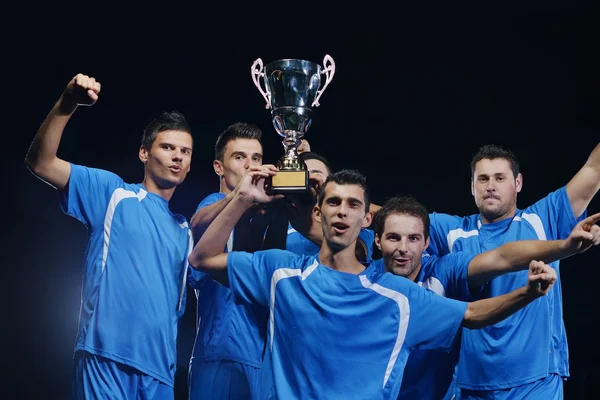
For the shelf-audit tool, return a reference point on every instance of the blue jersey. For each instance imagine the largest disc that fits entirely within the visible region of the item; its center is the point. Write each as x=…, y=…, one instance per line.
x=134, y=274
x=429, y=374
x=339, y=335
x=226, y=331
x=531, y=343
x=297, y=243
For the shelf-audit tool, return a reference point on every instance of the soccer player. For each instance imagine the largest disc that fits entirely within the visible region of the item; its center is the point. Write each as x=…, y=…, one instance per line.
x=134, y=277
x=402, y=235
x=517, y=355
x=230, y=339
x=338, y=329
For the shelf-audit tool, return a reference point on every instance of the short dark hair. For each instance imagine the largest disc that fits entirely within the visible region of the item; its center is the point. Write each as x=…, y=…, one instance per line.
x=309, y=155
x=492, y=152
x=238, y=130
x=346, y=177
x=401, y=205
x=166, y=121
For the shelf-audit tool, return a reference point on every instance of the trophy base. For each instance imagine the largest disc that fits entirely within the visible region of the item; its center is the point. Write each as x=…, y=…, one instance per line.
x=289, y=181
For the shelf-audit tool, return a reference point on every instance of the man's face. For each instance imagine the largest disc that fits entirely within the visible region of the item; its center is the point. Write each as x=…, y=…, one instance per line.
x=168, y=161
x=402, y=243
x=240, y=154
x=495, y=189
x=342, y=214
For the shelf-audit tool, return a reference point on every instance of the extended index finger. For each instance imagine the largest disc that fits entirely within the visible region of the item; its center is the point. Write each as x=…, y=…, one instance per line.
x=592, y=219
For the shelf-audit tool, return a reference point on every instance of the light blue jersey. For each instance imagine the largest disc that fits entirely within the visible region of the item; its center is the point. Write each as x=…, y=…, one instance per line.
x=429, y=374
x=531, y=344
x=337, y=335
x=134, y=274
x=227, y=334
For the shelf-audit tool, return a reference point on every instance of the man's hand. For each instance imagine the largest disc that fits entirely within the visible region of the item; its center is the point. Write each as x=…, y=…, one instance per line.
x=83, y=90
x=541, y=278
x=585, y=235
x=304, y=146
x=252, y=186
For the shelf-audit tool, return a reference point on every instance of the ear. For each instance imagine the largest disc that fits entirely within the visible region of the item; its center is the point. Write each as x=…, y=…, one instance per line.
x=367, y=220
x=426, y=244
x=377, y=241
x=519, y=182
x=472, y=187
x=218, y=167
x=317, y=214
x=143, y=154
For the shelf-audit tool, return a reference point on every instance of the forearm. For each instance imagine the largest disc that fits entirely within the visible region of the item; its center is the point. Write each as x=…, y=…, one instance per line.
x=213, y=240
x=490, y=311
x=585, y=184
x=44, y=147
x=514, y=256
x=206, y=215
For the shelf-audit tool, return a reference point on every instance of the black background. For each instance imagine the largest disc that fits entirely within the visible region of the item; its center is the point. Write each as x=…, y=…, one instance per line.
x=416, y=92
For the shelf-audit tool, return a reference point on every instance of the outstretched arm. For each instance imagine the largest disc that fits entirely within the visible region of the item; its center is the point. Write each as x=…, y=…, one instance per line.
x=41, y=158
x=490, y=311
x=585, y=184
x=208, y=255
x=514, y=256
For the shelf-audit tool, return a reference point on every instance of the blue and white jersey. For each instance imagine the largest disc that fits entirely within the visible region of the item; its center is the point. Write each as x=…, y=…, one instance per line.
x=429, y=374
x=531, y=343
x=226, y=331
x=339, y=335
x=134, y=274
x=298, y=244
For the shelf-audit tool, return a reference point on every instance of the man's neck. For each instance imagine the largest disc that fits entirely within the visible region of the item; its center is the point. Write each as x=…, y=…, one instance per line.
x=151, y=187
x=223, y=187
x=343, y=260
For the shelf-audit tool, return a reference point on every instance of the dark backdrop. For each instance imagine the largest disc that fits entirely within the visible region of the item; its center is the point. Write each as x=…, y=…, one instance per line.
x=414, y=96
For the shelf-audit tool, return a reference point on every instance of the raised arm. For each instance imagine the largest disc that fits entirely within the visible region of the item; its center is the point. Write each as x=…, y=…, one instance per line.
x=585, y=184
x=41, y=158
x=490, y=311
x=208, y=255
x=515, y=256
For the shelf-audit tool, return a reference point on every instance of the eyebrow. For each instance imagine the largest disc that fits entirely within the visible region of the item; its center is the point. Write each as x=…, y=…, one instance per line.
x=349, y=199
x=242, y=153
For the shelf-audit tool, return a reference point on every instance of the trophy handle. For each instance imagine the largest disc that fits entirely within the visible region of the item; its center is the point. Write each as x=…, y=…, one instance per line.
x=257, y=72
x=329, y=71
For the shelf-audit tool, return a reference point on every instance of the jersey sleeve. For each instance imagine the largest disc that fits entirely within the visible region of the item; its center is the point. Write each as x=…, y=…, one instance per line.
x=88, y=193
x=434, y=321
x=250, y=274
x=552, y=217
x=452, y=270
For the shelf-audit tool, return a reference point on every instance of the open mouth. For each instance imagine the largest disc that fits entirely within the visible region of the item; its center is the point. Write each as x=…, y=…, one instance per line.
x=401, y=261
x=339, y=228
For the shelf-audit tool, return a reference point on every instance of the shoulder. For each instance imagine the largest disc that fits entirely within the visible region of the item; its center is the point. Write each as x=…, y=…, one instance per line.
x=452, y=220
x=211, y=199
x=79, y=172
